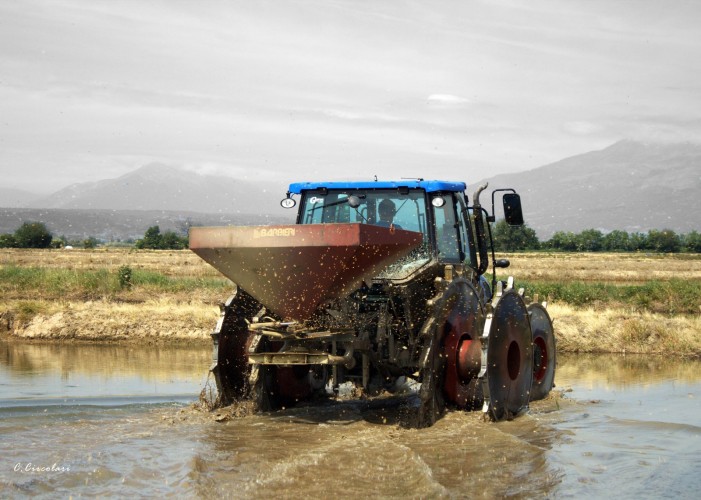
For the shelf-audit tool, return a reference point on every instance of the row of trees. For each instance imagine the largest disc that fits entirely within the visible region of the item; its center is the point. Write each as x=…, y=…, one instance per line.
x=510, y=238
x=36, y=235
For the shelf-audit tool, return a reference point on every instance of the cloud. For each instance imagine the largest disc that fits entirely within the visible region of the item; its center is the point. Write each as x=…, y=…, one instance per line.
x=359, y=115
x=447, y=100
x=581, y=128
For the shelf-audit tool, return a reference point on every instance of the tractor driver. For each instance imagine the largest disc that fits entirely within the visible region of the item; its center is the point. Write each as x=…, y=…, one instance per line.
x=386, y=211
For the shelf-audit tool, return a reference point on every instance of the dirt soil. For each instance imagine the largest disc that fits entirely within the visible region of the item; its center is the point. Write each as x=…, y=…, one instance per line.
x=108, y=321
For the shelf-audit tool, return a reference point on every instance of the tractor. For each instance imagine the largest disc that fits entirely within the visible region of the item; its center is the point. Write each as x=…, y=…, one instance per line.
x=377, y=283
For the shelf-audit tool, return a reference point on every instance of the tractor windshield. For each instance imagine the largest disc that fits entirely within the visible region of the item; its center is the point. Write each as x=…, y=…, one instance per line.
x=380, y=207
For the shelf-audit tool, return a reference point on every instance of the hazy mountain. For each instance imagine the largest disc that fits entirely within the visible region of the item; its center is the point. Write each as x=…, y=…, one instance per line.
x=159, y=187
x=629, y=186
x=16, y=197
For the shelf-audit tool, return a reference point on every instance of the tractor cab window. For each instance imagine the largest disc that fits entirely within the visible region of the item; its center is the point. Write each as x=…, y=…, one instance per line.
x=327, y=207
x=447, y=229
x=382, y=207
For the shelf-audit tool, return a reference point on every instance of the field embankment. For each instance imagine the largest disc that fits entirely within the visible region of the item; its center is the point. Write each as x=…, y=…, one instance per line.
x=634, y=303
x=108, y=295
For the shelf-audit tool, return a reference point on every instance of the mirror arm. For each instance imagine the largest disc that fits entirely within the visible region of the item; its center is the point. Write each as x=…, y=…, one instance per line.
x=492, y=218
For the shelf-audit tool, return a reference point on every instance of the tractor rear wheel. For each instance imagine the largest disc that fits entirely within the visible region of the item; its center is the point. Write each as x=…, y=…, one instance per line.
x=543, y=352
x=450, y=360
x=508, y=371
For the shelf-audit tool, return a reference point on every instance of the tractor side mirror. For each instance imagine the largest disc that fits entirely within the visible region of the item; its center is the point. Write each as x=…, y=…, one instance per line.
x=288, y=202
x=512, y=209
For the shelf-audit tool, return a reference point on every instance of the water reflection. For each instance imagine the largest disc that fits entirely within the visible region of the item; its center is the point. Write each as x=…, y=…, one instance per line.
x=116, y=373
x=621, y=371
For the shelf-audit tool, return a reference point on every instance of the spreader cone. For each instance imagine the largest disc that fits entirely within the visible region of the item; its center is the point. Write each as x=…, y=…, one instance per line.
x=508, y=372
x=292, y=269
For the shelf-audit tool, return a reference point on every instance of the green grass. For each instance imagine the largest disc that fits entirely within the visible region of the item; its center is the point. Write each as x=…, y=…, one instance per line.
x=56, y=282
x=671, y=297
x=30, y=283
x=33, y=282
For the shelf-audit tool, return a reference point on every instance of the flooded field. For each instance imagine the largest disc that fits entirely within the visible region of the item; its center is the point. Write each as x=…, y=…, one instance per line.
x=85, y=420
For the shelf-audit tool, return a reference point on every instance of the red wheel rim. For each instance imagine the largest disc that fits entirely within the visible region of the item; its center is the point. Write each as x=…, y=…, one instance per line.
x=462, y=353
x=509, y=368
x=540, y=367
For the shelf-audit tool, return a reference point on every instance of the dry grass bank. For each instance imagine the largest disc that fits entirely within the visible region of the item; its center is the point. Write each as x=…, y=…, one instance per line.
x=624, y=331
x=150, y=321
x=76, y=295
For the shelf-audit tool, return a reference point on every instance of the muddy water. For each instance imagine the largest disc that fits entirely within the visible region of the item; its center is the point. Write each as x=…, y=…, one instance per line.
x=115, y=420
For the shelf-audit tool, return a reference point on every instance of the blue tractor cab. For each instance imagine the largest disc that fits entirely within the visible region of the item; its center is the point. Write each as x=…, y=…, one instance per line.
x=437, y=209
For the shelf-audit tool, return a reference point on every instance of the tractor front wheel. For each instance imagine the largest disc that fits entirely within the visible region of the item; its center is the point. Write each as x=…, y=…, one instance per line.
x=231, y=343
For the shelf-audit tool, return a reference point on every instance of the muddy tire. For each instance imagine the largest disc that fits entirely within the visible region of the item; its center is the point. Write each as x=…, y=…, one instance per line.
x=544, y=352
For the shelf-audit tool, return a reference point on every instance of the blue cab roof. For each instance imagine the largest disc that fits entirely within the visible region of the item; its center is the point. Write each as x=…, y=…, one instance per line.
x=428, y=186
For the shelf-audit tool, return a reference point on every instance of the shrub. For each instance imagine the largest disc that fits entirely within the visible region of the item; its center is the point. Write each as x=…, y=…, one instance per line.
x=7, y=241
x=124, y=274
x=90, y=242
x=33, y=235
x=26, y=311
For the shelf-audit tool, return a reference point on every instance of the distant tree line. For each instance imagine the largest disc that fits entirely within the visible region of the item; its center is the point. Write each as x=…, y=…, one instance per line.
x=36, y=235
x=506, y=239
x=155, y=240
x=512, y=238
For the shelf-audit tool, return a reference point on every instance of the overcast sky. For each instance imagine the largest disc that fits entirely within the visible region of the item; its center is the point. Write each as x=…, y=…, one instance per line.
x=324, y=89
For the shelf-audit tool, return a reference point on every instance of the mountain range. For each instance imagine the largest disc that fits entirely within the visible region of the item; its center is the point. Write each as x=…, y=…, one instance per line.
x=630, y=186
x=161, y=187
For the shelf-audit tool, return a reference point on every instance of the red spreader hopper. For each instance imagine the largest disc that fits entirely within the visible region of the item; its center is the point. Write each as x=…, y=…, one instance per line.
x=291, y=269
